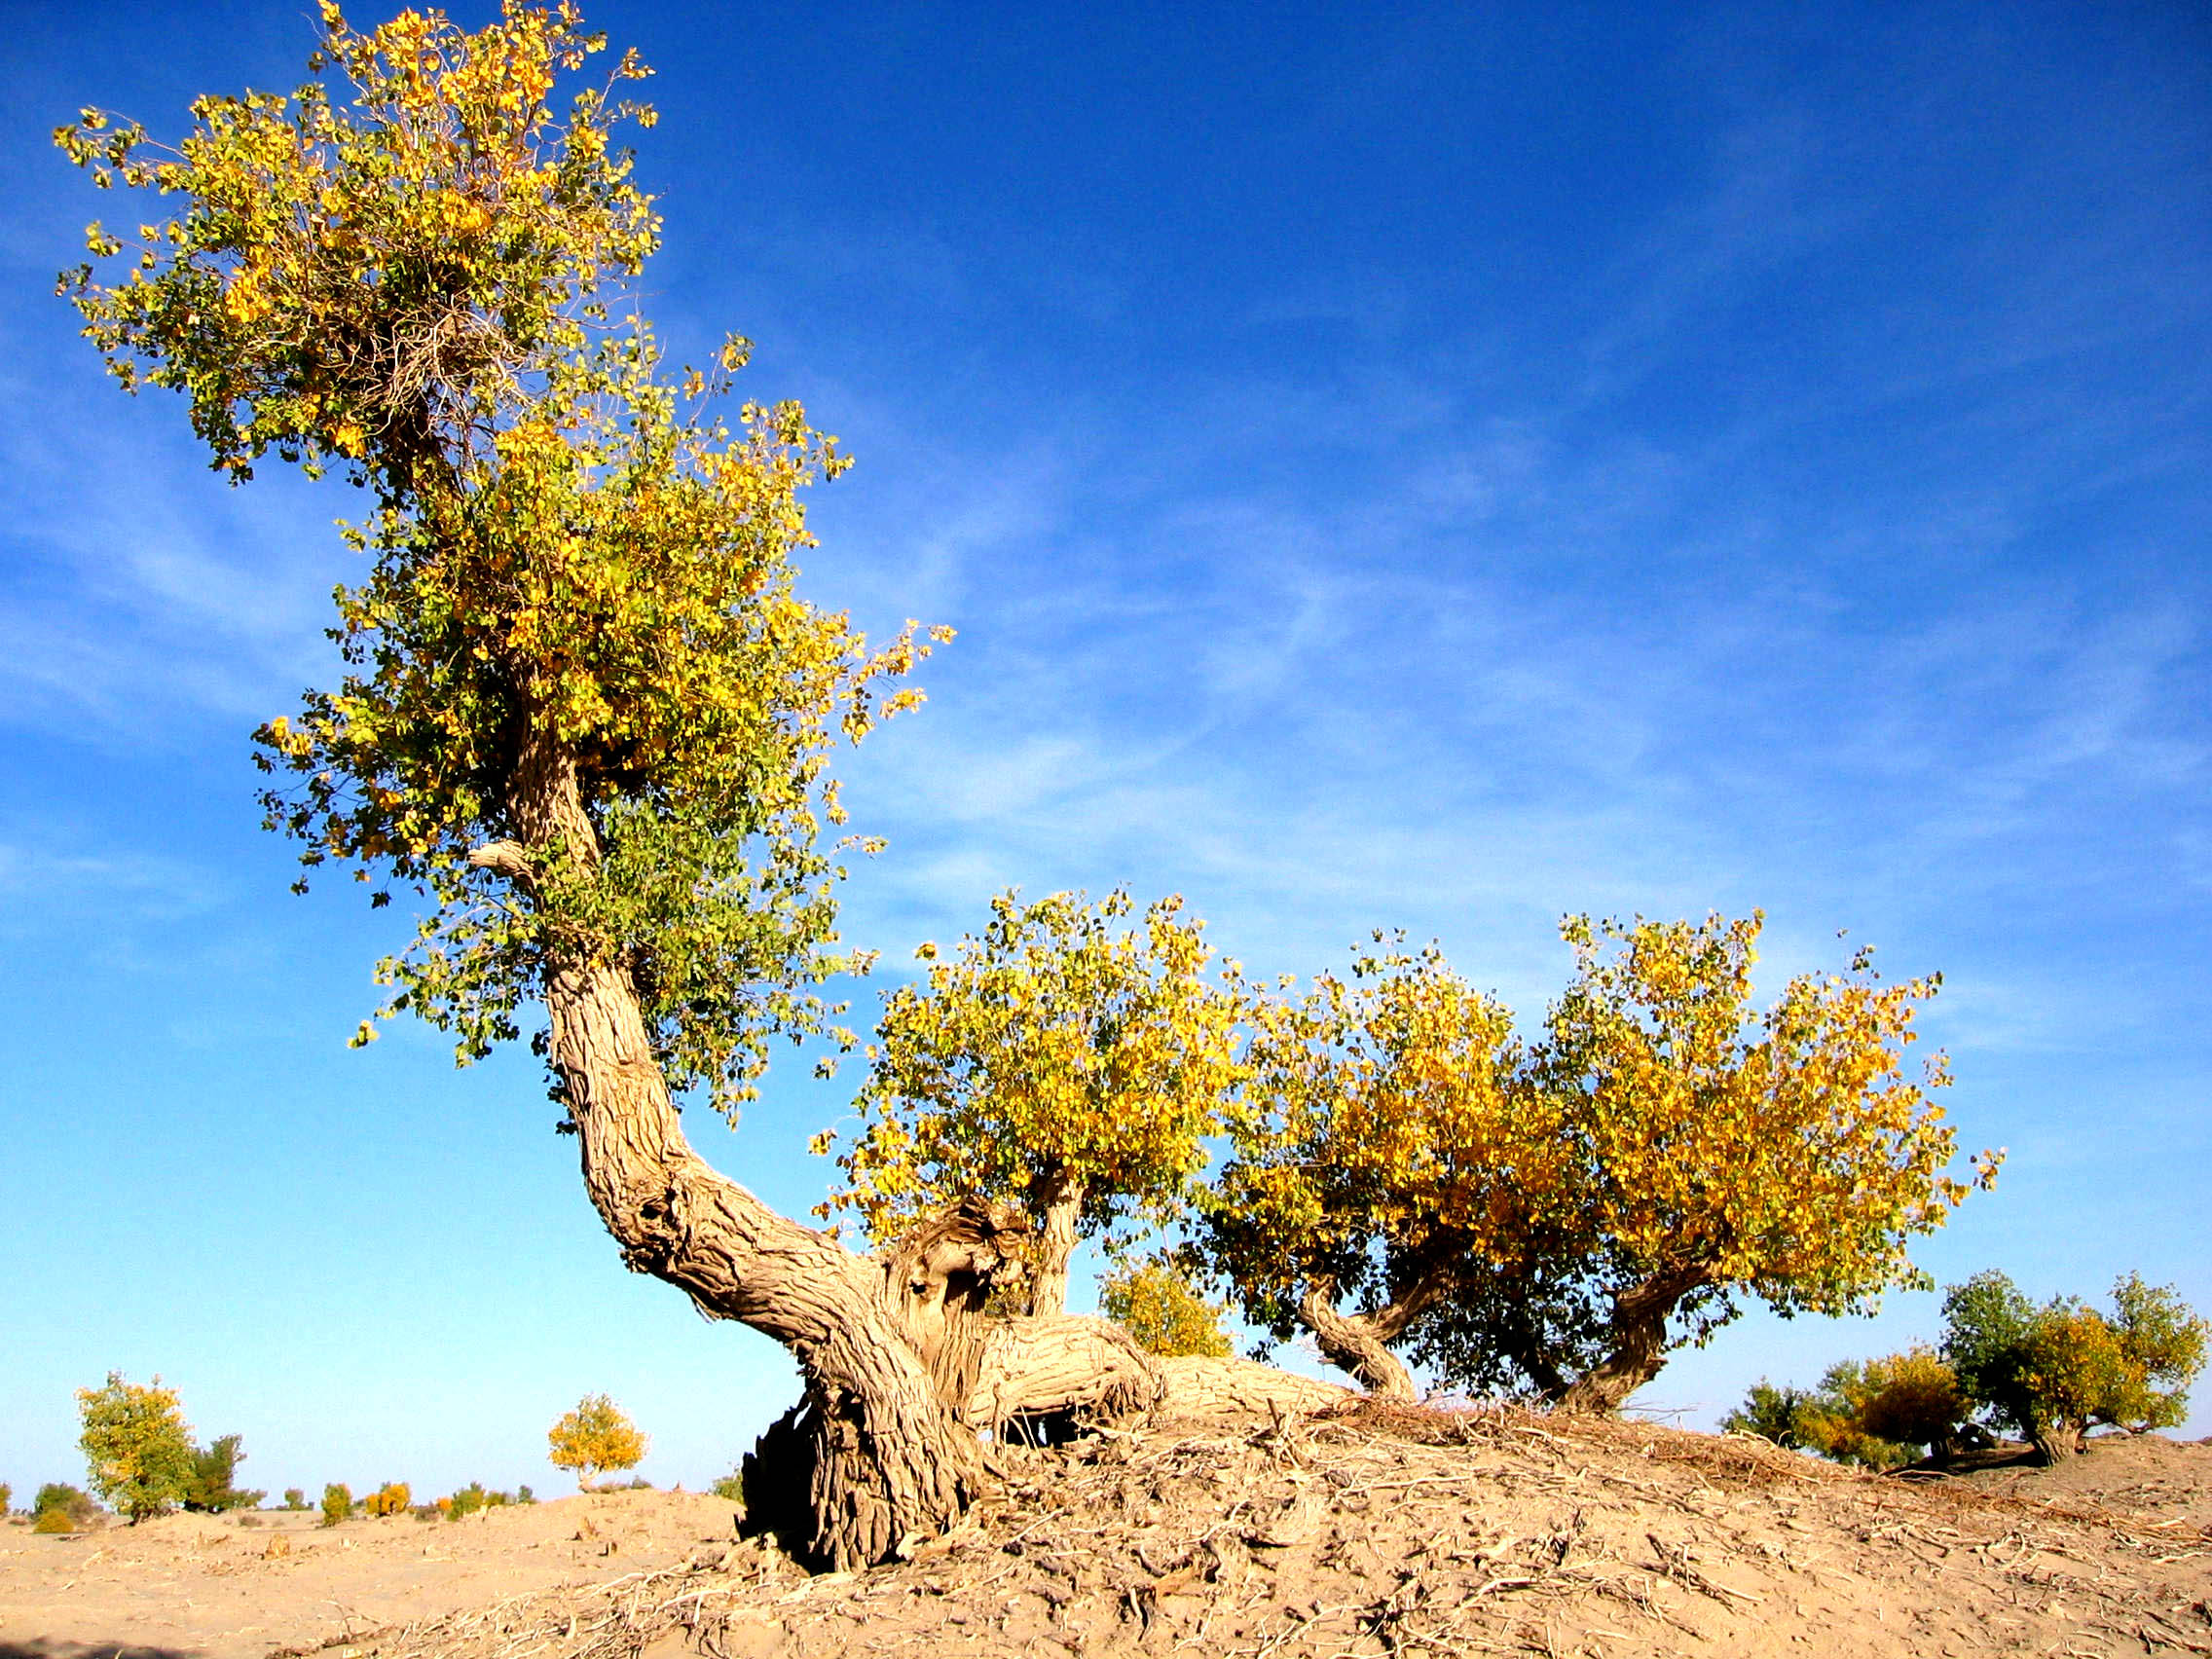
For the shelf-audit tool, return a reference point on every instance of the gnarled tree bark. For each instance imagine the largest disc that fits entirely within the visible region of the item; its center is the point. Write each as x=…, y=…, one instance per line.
x=1360, y=1343
x=1197, y=1387
x=1059, y=1205
x=1639, y=1334
x=901, y=1364
x=892, y=1459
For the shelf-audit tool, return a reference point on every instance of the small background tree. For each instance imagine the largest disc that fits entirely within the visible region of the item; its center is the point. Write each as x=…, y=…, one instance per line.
x=2053, y=1372
x=58, y=1507
x=212, y=1488
x=137, y=1446
x=597, y=1438
x=393, y=1497
x=1771, y=1413
x=1154, y=1300
x=1884, y=1412
x=337, y=1503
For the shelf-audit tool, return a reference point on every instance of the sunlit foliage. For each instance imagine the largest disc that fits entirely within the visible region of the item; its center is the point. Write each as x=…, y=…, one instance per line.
x=1073, y=1057
x=214, y=1487
x=411, y=268
x=1772, y=1412
x=1567, y=1210
x=1392, y=1136
x=596, y=1438
x=138, y=1446
x=393, y=1497
x=2055, y=1371
x=1156, y=1302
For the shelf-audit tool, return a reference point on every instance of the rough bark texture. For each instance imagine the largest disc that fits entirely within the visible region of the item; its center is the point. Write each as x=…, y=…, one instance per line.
x=1037, y=1367
x=1198, y=1387
x=2058, y=1441
x=891, y=1460
x=1639, y=1336
x=1360, y=1343
x=1060, y=1205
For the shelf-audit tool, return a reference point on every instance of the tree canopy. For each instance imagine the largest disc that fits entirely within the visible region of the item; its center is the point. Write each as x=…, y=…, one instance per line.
x=137, y=1446
x=2055, y=1371
x=572, y=557
x=1535, y=1216
x=1072, y=1058
x=595, y=1438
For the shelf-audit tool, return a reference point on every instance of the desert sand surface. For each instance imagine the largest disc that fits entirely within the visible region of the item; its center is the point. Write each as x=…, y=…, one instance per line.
x=237, y=1585
x=1378, y=1531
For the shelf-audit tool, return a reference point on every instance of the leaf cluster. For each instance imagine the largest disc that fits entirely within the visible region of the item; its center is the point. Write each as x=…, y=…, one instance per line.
x=1884, y=1412
x=1154, y=1300
x=411, y=267
x=1069, y=1047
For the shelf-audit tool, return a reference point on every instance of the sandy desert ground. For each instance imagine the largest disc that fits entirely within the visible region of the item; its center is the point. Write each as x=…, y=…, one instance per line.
x=1379, y=1532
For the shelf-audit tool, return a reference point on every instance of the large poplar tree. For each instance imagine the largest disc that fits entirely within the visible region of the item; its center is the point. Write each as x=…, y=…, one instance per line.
x=584, y=716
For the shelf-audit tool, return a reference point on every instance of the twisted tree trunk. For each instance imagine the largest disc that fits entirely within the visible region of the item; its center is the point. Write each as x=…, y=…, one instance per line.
x=1360, y=1343
x=1059, y=1202
x=892, y=1459
x=1638, y=1335
x=901, y=1362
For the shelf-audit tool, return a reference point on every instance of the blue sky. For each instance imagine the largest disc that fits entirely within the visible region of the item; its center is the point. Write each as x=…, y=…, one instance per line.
x=1400, y=466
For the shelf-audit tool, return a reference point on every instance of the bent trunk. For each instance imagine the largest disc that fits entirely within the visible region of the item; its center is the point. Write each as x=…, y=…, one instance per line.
x=1639, y=1334
x=1360, y=1343
x=898, y=1358
x=893, y=1461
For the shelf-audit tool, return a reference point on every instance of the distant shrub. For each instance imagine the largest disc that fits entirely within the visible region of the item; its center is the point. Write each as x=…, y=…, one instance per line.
x=523, y=1494
x=641, y=1484
x=337, y=1503
x=54, y=1521
x=596, y=1438
x=393, y=1497
x=468, y=1500
x=431, y=1511
x=1771, y=1413
x=63, y=1497
x=1911, y=1399
x=295, y=1498
x=730, y=1488
x=7, y=1493
x=1156, y=1302
x=1878, y=1413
